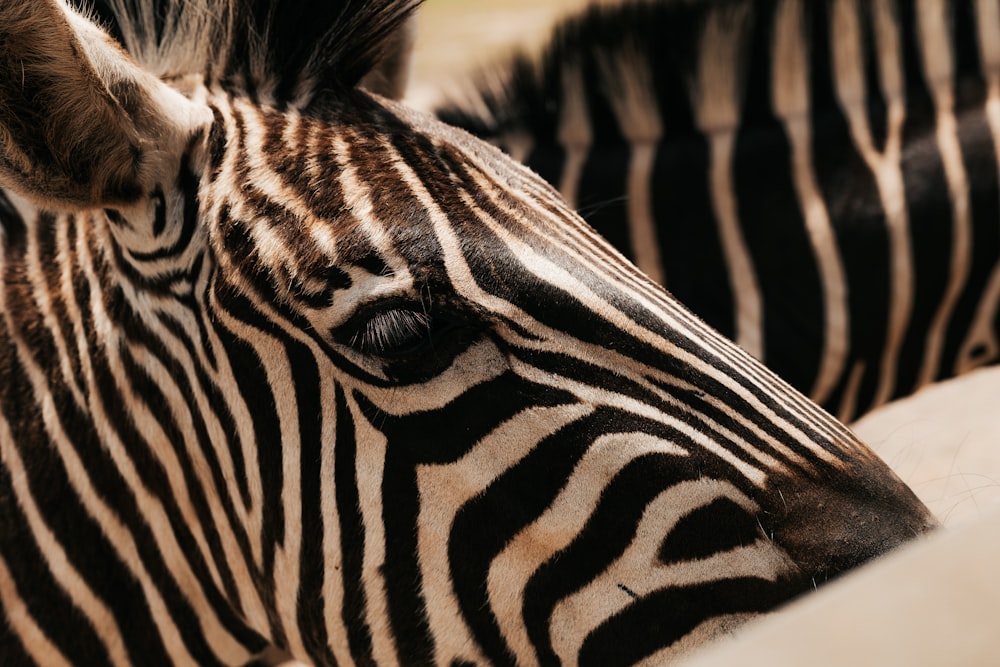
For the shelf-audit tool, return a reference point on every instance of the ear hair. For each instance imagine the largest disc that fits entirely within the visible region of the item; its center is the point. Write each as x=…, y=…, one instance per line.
x=391, y=73
x=81, y=125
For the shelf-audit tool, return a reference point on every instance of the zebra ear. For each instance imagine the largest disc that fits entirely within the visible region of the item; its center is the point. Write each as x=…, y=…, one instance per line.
x=391, y=73
x=81, y=124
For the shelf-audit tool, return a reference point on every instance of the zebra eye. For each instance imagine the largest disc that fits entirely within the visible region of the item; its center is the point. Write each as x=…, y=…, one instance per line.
x=393, y=333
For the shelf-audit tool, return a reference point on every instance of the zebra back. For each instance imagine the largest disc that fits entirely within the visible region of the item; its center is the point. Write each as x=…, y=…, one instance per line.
x=818, y=180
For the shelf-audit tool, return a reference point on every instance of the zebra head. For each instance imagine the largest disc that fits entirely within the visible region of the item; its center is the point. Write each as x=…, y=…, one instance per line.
x=286, y=364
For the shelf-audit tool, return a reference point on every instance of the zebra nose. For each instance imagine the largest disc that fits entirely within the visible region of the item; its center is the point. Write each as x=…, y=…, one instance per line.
x=827, y=531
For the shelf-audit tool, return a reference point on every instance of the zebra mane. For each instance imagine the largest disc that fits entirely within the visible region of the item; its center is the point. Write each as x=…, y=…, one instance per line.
x=285, y=50
x=639, y=68
x=582, y=66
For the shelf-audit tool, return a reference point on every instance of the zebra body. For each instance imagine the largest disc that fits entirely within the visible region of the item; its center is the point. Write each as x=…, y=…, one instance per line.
x=818, y=180
x=289, y=367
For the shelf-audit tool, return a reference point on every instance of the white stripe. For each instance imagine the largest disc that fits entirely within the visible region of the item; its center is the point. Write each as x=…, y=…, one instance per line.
x=444, y=490
x=981, y=344
x=370, y=462
x=641, y=222
x=36, y=644
x=934, y=24
x=790, y=99
x=332, y=554
x=287, y=553
x=717, y=114
x=557, y=527
x=673, y=317
x=248, y=599
x=153, y=511
x=57, y=562
x=886, y=167
x=116, y=532
x=629, y=84
x=743, y=282
x=573, y=133
x=849, y=402
x=603, y=597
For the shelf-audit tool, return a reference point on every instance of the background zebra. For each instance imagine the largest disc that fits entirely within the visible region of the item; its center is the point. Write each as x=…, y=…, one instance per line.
x=833, y=210
x=286, y=365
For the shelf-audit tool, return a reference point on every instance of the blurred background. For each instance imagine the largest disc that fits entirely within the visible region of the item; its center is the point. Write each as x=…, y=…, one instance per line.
x=944, y=442
x=458, y=36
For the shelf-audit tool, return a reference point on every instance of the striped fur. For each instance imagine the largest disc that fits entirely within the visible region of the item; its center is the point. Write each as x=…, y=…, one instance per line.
x=823, y=184
x=343, y=383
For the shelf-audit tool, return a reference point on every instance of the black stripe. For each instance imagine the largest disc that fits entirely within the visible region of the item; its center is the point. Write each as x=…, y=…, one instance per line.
x=154, y=478
x=559, y=308
x=877, y=109
x=352, y=535
x=248, y=372
x=126, y=504
x=187, y=183
x=772, y=224
x=139, y=333
x=608, y=533
x=12, y=224
x=99, y=564
x=605, y=170
x=688, y=231
x=980, y=161
x=313, y=565
x=688, y=540
x=48, y=605
x=488, y=522
x=437, y=437
x=660, y=619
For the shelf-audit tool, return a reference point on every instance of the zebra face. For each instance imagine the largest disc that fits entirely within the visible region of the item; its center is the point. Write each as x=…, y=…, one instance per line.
x=327, y=375
x=529, y=448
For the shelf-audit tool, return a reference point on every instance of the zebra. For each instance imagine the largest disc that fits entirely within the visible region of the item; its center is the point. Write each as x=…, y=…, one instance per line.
x=290, y=370
x=817, y=179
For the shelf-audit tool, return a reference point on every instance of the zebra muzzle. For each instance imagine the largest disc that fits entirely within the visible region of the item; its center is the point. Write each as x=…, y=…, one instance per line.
x=827, y=529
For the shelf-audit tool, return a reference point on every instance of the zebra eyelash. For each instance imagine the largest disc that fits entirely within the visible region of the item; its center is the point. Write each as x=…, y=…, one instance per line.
x=393, y=333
